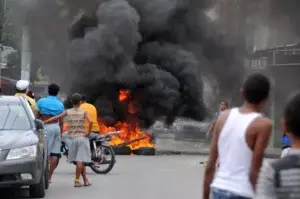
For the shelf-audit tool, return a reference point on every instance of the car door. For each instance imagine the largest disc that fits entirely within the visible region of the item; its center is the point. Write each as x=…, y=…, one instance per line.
x=38, y=130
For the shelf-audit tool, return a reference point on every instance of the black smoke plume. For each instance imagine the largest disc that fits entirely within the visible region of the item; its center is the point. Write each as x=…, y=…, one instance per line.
x=159, y=50
x=160, y=74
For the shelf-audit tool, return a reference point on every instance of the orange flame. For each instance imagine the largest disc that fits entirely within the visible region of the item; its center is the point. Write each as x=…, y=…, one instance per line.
x=129, y=130
x=123, y=95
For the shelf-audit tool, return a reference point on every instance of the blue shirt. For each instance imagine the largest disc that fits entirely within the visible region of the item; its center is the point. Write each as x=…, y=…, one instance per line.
x=285, y=140
x=50, y=106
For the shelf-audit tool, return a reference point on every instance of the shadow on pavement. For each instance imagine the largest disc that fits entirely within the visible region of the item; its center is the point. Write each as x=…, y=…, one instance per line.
x=14, y=193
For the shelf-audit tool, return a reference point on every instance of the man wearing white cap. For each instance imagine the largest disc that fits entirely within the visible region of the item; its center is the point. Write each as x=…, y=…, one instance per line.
x=21, y=90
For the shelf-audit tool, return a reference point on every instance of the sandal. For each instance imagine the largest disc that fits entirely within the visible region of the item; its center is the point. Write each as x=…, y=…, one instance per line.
x=87, y=184
x=77, y=184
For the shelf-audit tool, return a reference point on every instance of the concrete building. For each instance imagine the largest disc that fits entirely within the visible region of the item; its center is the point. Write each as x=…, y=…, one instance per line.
x=268, y=29
x=276, y=51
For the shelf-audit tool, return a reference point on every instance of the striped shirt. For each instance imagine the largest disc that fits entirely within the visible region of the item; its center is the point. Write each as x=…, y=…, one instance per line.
x=76, y=122
x=280, y=179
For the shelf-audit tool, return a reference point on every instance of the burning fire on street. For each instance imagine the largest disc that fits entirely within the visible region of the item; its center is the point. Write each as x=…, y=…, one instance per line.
x=131, y=134
x=127, y=44
x=130, y=137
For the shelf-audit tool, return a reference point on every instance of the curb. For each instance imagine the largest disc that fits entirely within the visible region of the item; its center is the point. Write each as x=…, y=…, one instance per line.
x=205, y=152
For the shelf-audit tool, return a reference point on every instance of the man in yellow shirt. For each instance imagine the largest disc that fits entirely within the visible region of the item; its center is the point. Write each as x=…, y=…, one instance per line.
x=21, y=90
x=92, y=113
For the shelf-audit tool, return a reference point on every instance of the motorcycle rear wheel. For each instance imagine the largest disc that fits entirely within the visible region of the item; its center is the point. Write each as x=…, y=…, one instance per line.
x=97, y=169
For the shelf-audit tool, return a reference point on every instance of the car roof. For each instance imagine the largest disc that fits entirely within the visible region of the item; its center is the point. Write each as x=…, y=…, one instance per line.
x=8, y=99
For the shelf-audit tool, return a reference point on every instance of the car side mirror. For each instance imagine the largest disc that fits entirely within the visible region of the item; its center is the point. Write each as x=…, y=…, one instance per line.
x=39, y=124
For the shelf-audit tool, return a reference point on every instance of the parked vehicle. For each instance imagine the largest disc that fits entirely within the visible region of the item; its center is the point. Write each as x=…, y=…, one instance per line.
x=23, y=151
x=102, y=154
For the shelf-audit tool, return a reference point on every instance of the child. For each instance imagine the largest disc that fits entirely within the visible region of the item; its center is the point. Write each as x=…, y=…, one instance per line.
x=280, y=179
x=79, y=152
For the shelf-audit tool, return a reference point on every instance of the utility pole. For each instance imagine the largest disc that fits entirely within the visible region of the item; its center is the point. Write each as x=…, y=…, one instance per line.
x=2, y=20
x=1, y=50
x=26, y=54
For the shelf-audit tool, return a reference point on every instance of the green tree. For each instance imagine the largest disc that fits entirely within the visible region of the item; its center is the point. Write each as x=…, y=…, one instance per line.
x=10, y=30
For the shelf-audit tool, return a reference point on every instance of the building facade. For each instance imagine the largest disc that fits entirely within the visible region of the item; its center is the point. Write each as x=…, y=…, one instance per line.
x=268, y=30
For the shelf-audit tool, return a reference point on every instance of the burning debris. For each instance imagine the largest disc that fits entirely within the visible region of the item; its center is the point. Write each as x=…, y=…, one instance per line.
x=131, y=134
x=147, y=78
x=117, y=54
x=139, y=61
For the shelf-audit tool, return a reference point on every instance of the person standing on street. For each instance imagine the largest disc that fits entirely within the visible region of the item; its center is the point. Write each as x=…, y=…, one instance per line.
x=47, y=108
x=281, y=179
x=286, y=145
x=223, y=106
x=79, y=152
x=92, y=112
x=239, y=141
x=21, y=91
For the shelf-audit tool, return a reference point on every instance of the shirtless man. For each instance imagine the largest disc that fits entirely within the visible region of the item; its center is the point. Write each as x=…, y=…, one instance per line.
x=223, y=106
x=48, y=107
x=239, y=141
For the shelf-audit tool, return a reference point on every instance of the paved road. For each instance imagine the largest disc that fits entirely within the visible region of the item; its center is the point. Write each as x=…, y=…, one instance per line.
x=133, y=177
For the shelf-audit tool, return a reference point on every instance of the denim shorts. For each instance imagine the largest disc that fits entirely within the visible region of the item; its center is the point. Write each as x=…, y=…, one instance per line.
x=53, y=139
x=222, y=194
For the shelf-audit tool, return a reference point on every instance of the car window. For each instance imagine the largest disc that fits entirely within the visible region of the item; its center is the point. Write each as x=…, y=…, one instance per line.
x=13, y=117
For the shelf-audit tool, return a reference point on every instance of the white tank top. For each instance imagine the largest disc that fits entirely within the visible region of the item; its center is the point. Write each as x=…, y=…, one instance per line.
x=235, y=156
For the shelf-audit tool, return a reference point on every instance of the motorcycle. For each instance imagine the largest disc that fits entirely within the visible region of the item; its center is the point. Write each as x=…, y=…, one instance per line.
x=102, y=153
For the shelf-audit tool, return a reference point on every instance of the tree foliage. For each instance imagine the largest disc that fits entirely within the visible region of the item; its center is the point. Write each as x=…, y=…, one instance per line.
x=10, y=29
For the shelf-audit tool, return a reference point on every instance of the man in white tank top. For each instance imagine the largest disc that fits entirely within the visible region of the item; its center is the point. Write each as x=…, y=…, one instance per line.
x=239, y=141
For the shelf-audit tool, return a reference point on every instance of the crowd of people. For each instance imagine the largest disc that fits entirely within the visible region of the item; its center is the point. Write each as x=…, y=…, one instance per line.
x=81, y=122
x=240, y=136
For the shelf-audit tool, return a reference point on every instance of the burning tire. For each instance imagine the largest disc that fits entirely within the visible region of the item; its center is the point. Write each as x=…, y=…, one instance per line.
x=121, y=150
x=144, y=151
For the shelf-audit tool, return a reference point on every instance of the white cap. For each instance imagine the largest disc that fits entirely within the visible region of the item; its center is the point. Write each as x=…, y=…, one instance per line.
x=22, y=85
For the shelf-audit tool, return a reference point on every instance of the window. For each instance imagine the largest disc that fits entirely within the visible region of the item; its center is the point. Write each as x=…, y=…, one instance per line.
x=13, y=117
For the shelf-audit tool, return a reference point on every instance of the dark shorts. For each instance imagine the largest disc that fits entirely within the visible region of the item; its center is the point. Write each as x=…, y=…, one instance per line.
x=222, y=194
x=286, y=146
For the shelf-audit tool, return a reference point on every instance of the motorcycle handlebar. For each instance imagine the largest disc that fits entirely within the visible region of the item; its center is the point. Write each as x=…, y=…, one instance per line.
x=113, y=133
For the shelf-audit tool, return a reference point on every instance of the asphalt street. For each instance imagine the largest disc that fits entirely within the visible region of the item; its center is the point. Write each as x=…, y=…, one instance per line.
x=133, y=177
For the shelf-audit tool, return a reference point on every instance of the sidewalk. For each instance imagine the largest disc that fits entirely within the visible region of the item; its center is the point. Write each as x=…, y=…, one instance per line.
x=169, y=146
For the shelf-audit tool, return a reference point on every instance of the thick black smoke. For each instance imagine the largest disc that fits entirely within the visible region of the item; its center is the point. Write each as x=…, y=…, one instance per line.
x=158, y=49
x=162, y=76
